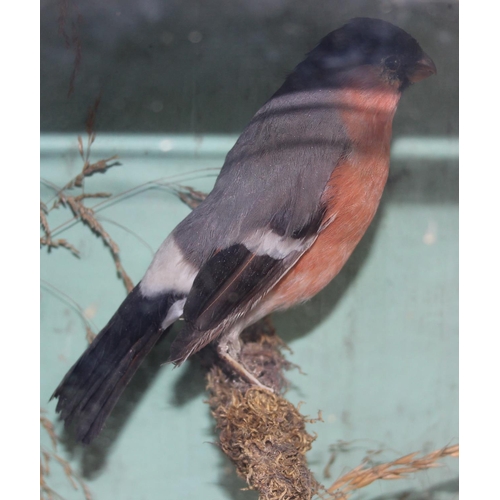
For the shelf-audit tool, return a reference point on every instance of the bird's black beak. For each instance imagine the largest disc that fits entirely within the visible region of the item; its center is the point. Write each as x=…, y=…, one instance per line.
x=424, y=68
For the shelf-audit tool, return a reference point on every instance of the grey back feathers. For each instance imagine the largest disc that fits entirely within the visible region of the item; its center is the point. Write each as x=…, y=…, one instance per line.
x=272, y=179
x=274, y=176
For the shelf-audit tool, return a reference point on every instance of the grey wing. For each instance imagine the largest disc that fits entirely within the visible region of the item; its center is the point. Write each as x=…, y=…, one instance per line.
x=272, y=179
x=264, y=212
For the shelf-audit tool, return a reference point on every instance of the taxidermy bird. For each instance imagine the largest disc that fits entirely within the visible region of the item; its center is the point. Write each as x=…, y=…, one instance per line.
x=294, y=197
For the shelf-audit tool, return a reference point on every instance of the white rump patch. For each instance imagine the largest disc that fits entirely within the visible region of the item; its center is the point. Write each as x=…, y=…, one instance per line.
x=266, y=242
x=169, y=271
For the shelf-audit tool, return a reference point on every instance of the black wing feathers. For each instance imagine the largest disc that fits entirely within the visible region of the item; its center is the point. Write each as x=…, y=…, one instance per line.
x=227, y=281
x=227, y=286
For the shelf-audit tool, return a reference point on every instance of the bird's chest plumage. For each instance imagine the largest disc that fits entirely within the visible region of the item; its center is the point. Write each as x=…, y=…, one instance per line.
x=352, y=197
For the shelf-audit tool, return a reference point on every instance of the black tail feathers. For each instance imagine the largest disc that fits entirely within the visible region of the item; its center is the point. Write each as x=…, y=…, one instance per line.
x=92, y=387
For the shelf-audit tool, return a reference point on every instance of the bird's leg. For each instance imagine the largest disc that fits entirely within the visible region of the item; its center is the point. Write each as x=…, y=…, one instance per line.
x=228, y=349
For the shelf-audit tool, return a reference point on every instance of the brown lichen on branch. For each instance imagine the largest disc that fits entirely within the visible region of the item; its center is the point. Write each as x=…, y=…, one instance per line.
x=260, y=431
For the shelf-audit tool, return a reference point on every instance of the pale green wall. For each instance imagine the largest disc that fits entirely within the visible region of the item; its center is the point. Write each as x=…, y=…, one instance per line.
x=379, y=345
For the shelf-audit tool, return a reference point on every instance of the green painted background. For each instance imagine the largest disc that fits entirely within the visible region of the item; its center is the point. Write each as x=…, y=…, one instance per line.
x=379, y=346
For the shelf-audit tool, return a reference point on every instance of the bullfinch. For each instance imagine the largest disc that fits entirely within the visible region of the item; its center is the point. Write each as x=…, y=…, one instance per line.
x=294, y=197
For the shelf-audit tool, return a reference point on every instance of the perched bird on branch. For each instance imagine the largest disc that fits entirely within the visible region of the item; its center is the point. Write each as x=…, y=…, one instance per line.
x=294, y=197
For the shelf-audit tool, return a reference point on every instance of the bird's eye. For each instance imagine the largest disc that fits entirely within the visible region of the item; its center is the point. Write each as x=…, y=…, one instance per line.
x=392, y=63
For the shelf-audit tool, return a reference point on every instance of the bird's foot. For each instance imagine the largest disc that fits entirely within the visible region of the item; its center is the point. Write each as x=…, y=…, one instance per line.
x=237, y=367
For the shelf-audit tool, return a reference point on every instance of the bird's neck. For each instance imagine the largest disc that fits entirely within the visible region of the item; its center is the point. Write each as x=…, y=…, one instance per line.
x=368, y=104
x=365, y=99
x=367, y=113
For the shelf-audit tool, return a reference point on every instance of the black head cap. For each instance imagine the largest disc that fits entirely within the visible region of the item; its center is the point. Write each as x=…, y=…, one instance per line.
x=373, y=41
x=366, y=41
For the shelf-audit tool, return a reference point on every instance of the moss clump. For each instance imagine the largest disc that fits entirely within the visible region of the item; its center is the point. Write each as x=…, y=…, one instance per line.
x=263, y=433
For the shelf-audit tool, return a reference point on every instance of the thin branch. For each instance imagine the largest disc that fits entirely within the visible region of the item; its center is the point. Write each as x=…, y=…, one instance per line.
x=129, y=231
x=90, y=335
x=49, y=427
x=87, y=216
x=362, y=475
x=133, y=192
x=46, y=456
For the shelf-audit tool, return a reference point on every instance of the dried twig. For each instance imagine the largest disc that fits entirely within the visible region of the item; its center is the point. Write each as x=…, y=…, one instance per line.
x=47, y=239
x=191, y=197
x=362, y=475
x=87, y=216
x=342, y=446
x=75, y=203
x=133, y=192
x=58, y=243
x=91, y=168
x=88, y=168
x=43, y=218
x=89, y=334
x=49, y=427
x=46, y=492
